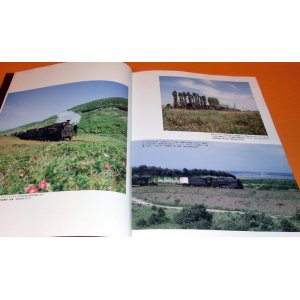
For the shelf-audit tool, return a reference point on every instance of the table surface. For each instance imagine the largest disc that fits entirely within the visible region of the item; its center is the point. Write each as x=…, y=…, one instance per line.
x=279, y=83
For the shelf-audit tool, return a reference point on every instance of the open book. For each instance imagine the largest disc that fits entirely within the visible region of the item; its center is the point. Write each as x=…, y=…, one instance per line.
x=92, y=149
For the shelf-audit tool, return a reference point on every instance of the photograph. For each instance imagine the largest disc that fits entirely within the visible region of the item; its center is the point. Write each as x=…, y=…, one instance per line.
x=65, y=137
x=213, y=185
x=201, y=105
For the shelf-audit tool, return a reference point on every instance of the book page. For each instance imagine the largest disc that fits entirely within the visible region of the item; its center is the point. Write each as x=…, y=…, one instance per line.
x=64, y=135
x=206, y=155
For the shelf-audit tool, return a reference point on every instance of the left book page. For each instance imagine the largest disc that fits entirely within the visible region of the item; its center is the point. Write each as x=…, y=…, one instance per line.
x=63, y=151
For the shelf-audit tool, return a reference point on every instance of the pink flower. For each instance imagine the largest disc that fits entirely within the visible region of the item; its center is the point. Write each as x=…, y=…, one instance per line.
x=30, y=189
x=107, y=166
x=43, y=185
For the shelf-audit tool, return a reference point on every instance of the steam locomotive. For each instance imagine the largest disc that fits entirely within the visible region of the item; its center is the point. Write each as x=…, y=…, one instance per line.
x=55, y=132
x=197, y=181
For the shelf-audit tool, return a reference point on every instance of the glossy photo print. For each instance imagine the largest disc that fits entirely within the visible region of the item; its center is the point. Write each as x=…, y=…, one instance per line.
x=214, y=106
x=213, y=185
x=65, y=137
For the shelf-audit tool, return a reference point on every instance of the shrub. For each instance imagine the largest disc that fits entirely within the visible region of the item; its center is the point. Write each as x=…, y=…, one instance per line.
x=194, y=217
x=142, y=223
x=297, y=215
x=176, y=202
x=154, y=219
x=258, y=222
x=245, y=222
x=230, y=222
x=160, y=212
x=287, y=226
x=158, y=218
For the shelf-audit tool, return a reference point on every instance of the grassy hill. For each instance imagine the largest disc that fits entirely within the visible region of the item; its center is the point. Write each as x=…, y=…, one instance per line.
x=103, y=116
x=38, y=124
x=95, y=159
x=120, y=103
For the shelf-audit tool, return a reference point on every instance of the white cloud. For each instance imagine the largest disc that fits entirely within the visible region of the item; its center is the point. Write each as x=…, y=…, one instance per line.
x=209, y=89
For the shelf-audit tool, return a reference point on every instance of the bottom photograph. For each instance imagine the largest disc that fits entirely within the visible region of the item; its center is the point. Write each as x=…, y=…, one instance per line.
x=213, y=186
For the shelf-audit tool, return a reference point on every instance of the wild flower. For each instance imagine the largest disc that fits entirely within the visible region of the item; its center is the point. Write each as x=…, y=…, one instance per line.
x=31, y=188
x=21, y=174
x=43, y=185
x=107, y=166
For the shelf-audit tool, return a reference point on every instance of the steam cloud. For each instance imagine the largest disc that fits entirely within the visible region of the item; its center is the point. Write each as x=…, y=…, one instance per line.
x=68, y=115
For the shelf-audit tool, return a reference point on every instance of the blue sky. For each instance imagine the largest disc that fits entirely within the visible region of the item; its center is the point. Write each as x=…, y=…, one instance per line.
x=38, y=104
x=228, y=92
x=215, y=156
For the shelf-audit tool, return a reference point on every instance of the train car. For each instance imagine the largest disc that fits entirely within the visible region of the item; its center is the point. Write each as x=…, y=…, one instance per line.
x=196, y=181
x=55, y=132
x=142, y=180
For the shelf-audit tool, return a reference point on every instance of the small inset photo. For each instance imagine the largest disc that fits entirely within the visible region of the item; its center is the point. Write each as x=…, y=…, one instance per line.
x=201, y=105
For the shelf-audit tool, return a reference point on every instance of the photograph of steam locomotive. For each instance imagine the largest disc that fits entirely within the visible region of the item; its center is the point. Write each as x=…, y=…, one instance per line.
x=55, y=132
x=64, y=138
x=213, y=185
x=190, y=104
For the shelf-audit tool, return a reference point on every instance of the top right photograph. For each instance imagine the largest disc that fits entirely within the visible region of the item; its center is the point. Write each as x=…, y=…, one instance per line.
x=201, y=105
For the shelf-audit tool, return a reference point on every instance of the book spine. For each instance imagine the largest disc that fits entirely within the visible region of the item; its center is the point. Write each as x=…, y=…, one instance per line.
x=4, y=86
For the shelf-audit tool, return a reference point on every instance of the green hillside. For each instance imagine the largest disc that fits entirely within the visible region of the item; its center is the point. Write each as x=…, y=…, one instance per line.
x=120, y=103
x=95, y=159
x=103, y=116
x=38, y=124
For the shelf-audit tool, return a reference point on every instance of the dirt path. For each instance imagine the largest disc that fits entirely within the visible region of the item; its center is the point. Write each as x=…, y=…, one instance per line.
x=145, y=203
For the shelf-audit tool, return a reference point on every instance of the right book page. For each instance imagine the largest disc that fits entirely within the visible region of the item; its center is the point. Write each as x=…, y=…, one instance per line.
x=206, y=155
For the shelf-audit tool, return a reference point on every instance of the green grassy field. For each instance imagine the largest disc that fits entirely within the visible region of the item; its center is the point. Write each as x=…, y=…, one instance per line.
x=270, y=184
x=95, y=159
x=267, y=201
x=251, y=221
x=143, y=212
x=232, y=122
x=248, y=209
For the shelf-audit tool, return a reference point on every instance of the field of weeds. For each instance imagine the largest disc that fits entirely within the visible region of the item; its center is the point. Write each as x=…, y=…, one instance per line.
x=281, y=202
x=88, y=162
x=152, y=217
x=232, y=122
x=95, y=159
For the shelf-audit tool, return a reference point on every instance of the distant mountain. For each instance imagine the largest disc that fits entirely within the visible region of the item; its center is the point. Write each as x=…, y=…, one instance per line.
x=262, y=175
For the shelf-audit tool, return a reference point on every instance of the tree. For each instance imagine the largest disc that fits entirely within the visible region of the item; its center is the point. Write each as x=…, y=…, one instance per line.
x=194, y=217
x=288, y=226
